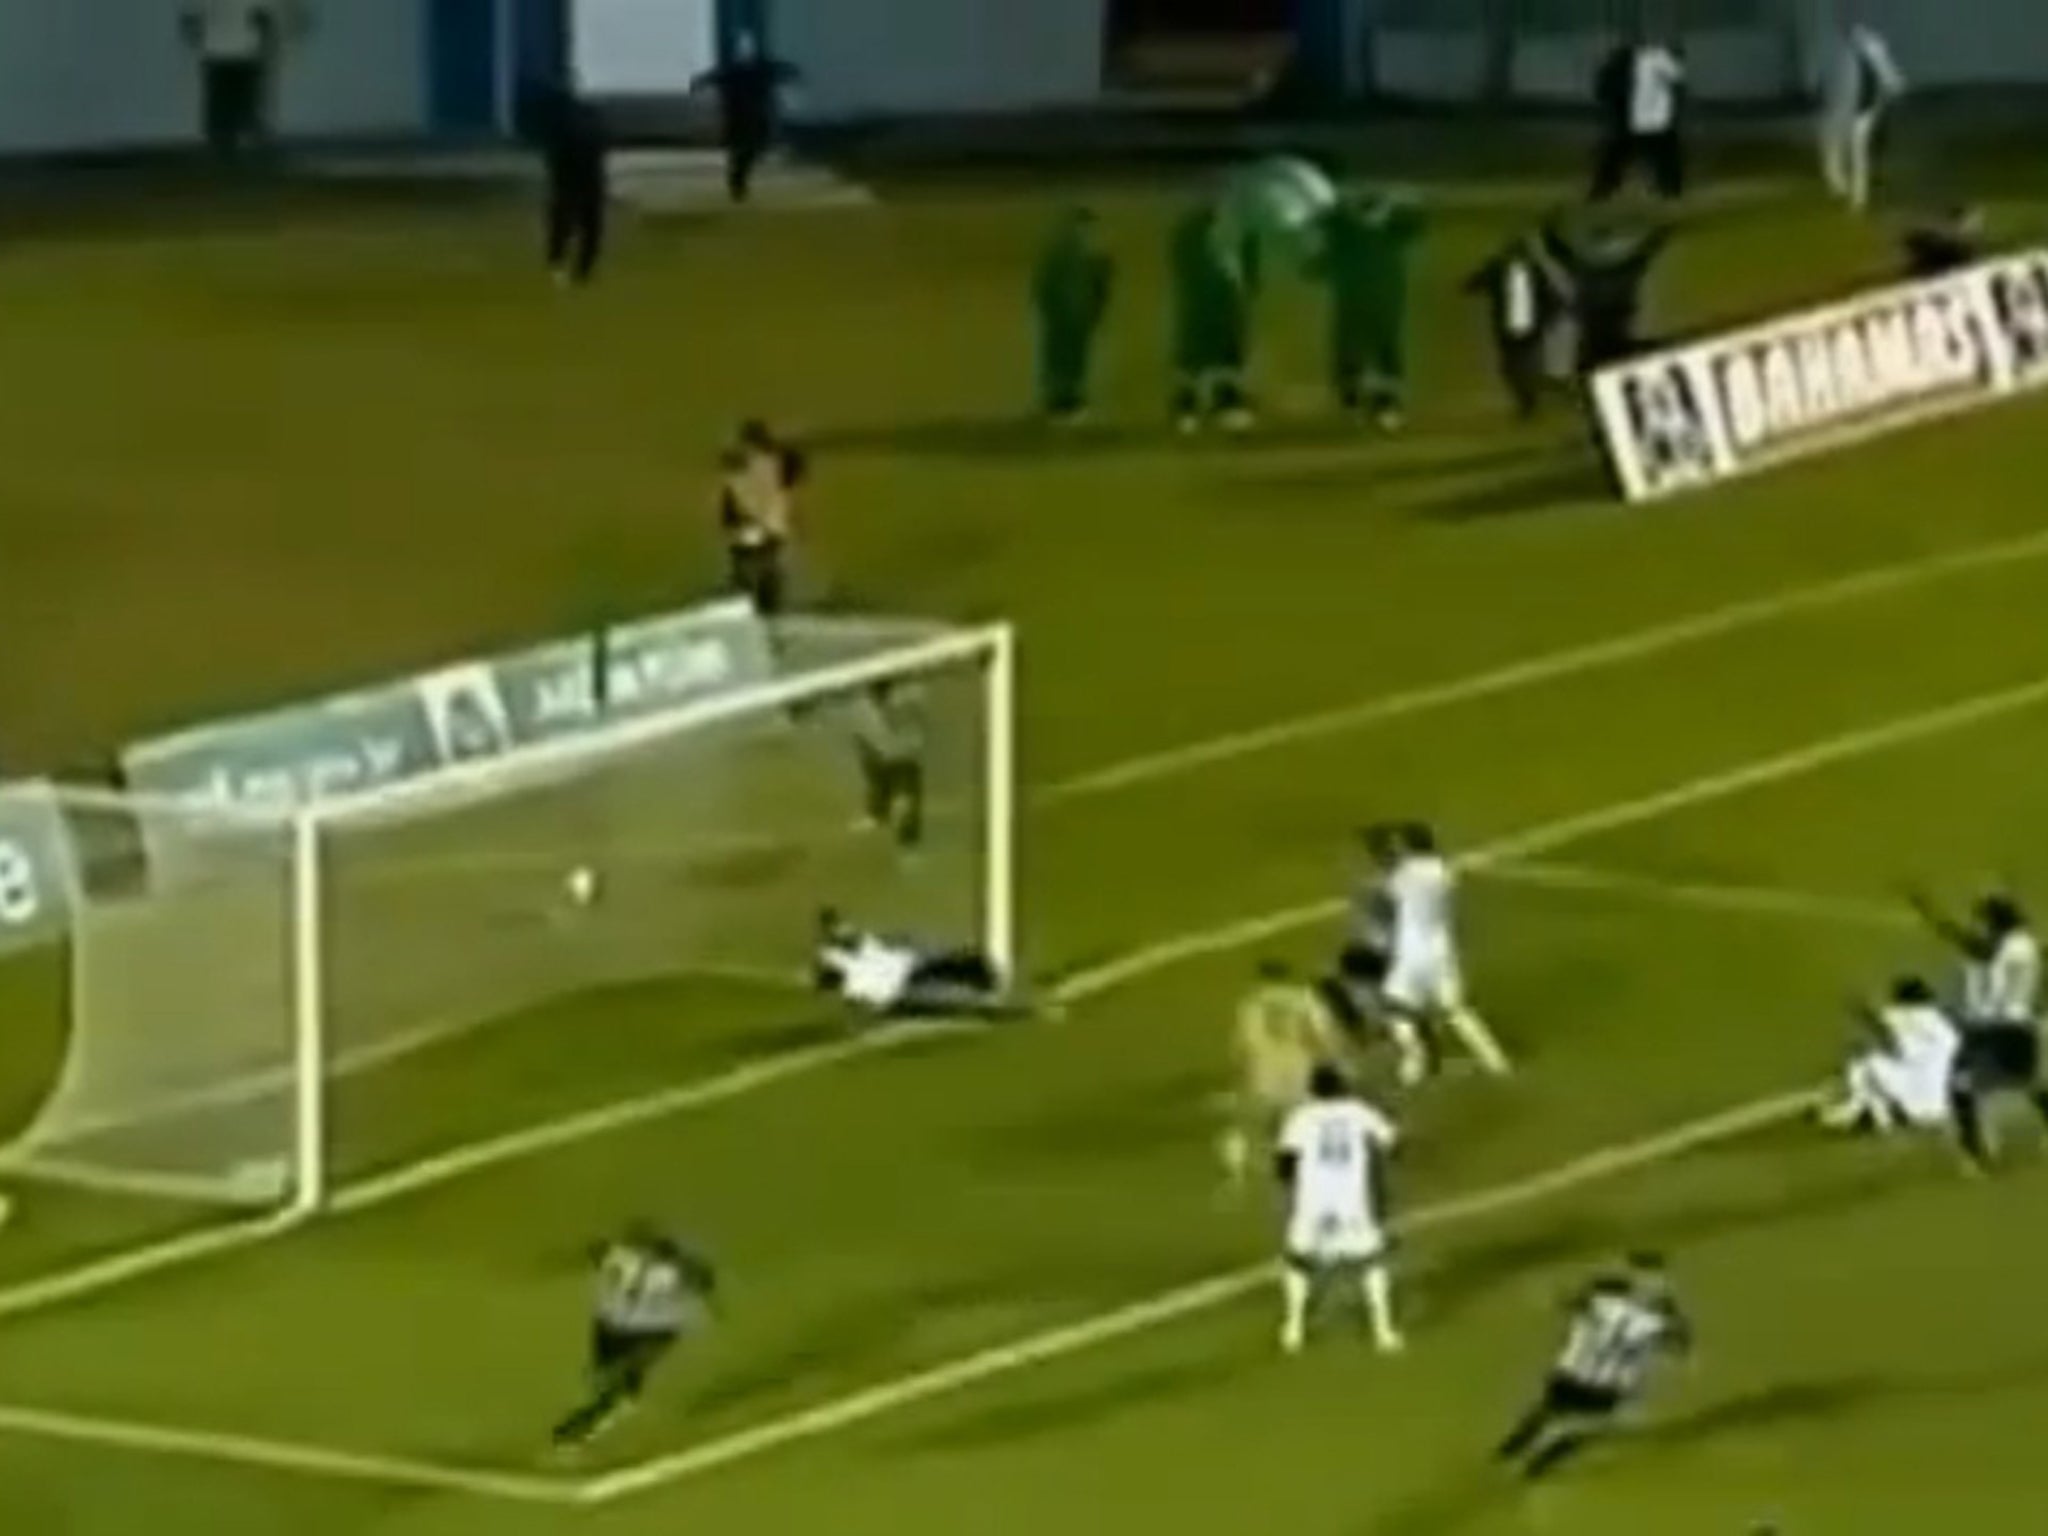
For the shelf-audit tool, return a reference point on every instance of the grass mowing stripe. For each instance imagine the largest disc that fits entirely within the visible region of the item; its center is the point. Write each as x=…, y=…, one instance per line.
x=1170, y=1306
x=1552, y=666
x=280, y=1455
x=1548, y=836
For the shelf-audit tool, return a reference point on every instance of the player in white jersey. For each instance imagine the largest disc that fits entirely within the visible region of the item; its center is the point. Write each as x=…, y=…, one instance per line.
x=1863, y=81
x=2001, y=1048
x=1330, y=1162
x=1425, y=987
x=1904, y=1075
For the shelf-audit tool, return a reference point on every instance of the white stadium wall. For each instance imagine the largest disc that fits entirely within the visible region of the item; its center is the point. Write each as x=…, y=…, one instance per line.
x=87, y=75
x=878, y=58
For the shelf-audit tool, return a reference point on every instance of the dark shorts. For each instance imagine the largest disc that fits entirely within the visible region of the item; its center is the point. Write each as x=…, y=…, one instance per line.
x=1363, y=964
x=1567, y=1396
x=626, y=1350
x=1998, y=1056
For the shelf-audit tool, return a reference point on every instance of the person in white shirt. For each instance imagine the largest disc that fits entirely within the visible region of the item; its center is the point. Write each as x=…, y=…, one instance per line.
x=1641, y=97
x=1904, y=1076
x=1329, y=1161
x=1425, y=985
x=237, y=42
x=894, y=979
x=2001, y=998
x=1863, y=81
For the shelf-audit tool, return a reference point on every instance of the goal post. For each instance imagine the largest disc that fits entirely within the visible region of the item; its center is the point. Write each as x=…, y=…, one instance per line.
x=249, y=987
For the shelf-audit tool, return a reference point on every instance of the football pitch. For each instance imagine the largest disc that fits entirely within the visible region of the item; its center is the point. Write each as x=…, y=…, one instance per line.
x=1691, y=758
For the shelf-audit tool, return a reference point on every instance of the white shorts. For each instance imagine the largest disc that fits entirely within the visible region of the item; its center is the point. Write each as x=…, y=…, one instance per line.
x=1425, y=980
x=1917, y=1090
x=1334, y=1237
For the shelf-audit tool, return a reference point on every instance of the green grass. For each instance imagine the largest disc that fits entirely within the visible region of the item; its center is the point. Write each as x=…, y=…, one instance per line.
x=253, y=461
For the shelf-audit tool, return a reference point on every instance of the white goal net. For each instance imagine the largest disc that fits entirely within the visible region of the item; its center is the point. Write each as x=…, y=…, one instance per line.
x=238, y=968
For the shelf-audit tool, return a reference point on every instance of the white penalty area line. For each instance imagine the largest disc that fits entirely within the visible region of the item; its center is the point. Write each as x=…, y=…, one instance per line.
x=1518, y=848
x=1551, y=666
x=1703, y=896
x=285, y=1456
x=1175, y=1305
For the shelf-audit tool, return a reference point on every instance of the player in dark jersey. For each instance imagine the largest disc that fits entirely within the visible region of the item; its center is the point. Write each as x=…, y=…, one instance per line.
x=649, y=1292
x=1621, y=1326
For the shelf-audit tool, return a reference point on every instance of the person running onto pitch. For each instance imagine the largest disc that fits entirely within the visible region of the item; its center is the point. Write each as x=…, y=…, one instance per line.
x=1070, y=293
x=1620, y=1328
x=1215, y=274
x=748, y=85
x=2000, y=1053
x=650, y=1292
x=1367, y=246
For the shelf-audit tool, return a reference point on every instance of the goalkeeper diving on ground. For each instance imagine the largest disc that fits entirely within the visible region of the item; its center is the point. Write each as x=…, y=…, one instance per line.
x=884, y=977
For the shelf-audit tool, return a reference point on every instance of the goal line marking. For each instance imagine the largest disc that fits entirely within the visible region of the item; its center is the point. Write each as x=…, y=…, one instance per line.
x=1170, y=1306
x=257, y=1452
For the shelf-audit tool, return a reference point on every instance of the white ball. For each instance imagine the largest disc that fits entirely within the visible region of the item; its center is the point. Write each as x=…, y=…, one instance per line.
x=581, y=885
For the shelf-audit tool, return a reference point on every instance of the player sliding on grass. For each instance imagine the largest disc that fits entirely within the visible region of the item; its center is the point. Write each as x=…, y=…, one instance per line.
x=1282, y=1032
x=1330, y=1162
x=891, y=979
x=1902, y=1076
x=650, y=1292
x=1622, y=1326
x=1425, y=989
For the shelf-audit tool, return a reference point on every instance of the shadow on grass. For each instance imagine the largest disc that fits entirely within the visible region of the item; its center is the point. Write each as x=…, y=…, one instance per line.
x=1556, y=481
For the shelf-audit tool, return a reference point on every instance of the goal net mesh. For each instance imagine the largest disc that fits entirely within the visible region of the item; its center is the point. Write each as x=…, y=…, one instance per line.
x=509, y=898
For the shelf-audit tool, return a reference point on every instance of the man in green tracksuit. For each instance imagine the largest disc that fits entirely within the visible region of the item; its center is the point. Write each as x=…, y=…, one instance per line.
x=1366, y=249
x=1070, y=291
x=1215, y=273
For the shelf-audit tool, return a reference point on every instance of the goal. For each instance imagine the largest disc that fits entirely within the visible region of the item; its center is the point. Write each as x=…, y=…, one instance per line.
x=230, y=970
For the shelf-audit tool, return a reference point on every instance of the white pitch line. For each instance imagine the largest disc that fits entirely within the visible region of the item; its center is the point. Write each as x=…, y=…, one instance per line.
x=281, y=1456
x=1552, y=666
x=1169, y=1306
x=478, y=1157
x=1707, y=896
x=1548, y=836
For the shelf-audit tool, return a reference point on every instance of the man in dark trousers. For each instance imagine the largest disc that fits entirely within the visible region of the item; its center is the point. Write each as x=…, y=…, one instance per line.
x=571, y=136
x=1367, y=246
x=1640, y=93
x=1605, y=267
x=1070, y=289
x=1525, y=299
x=747, y=84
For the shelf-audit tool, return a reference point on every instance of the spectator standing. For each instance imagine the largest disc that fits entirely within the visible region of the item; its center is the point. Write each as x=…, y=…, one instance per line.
x=761, y=474
x=237, y=43
x=1640, y=93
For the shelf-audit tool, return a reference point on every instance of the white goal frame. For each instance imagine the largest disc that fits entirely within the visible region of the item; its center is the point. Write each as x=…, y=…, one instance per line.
x=990, y=649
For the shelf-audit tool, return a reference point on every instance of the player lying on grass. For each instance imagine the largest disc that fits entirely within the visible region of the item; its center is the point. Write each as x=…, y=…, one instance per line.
x=2000, y=1054
x=1621, y=1327
x=1281, y=1032
x=1902, y=1075
x=650, y=1292
x=1330, y=1162
x=896, y=979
